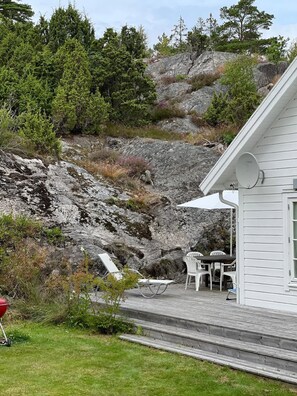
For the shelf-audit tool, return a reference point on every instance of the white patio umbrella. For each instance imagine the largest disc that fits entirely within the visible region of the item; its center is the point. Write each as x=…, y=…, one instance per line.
x=213, y=202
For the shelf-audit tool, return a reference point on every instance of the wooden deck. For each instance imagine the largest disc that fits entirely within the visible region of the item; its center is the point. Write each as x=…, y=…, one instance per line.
x=206, y=326
x=212, y=307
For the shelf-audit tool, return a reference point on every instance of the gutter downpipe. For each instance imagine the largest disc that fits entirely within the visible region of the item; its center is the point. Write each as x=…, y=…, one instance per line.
x=236, y=207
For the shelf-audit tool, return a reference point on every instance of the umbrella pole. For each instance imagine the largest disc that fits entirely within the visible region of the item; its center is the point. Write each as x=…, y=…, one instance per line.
x=231, y=230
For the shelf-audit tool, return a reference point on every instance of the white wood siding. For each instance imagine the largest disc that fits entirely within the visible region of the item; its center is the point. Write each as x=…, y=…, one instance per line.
x=261, y=226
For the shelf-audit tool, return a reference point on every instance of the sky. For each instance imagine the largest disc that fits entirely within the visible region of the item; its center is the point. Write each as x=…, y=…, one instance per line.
x=159, y=16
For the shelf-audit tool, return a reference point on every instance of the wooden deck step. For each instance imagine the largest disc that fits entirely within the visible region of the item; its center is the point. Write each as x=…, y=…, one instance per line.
x=226, y=330
x=250, y=367
x=236, y=349
x=206, y=326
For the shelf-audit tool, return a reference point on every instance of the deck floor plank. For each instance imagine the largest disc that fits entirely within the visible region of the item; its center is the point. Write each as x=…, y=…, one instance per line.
x=211, y=307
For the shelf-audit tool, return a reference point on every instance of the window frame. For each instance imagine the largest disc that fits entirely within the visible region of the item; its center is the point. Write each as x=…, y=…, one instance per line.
x=290, y=278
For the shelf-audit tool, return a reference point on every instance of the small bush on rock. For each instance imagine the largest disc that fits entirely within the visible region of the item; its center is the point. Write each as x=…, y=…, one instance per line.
x=203, y=80
x=164, y=111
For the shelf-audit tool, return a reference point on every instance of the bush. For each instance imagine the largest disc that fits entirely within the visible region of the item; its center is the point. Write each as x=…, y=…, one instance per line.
x=166, y=80
x=135, y=166
x=163, y=111
x=22, y=259
x=228, y=136
x=106, y=324
x=216, y=112
x=9, y=138
x=237, y=105
x=202, y=80
x=104, y=154
x=38, y=132
x=114, y=290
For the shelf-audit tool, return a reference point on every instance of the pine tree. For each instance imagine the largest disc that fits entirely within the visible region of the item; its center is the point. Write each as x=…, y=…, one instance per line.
x=15, y=11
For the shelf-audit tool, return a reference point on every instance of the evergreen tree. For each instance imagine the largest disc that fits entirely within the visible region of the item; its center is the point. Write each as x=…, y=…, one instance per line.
x=242, y=26
x=134, y=41
x=164, y=46
x=74, y=108
x=179, y=34
x=69, y=23
x=9, y=88
x=34, y=94
x=121, y=80
x=15, y=11
x=197, y=39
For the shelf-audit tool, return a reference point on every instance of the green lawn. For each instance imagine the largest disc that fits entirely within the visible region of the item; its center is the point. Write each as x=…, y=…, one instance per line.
x=60, y=361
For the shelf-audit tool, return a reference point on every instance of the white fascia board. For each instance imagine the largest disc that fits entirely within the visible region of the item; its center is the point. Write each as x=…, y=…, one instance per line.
x=252, y=131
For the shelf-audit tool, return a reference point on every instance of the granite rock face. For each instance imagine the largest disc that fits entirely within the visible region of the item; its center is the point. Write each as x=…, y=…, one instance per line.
x=173, y=75
x=90, y=211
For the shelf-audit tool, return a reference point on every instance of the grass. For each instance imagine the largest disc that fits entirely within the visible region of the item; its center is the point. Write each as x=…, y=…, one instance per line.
x=60, y=361
x=149, y=132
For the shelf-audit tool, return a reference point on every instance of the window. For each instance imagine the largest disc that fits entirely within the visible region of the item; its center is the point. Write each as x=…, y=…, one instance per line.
x=290, y=240
x=294, y=239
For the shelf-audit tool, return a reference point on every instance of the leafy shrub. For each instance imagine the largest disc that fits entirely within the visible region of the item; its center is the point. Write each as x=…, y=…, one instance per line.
x=15, y=228
x=21, y=270
x=114, y=289
x=202, y=80
x=22, y=259
x=30, y=131
x=236, y=106
x=81, y=312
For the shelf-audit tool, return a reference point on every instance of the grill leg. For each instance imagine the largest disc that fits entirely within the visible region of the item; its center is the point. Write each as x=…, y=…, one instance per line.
x=6, y=340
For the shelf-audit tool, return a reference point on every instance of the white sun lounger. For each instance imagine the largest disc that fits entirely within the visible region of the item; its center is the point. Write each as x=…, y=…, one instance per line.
x=148, y=287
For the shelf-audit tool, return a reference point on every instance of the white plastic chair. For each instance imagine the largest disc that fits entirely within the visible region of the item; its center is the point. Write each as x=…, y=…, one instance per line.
x=196, y=269
x=216, y=265
x=231, y=274
x=148, y=287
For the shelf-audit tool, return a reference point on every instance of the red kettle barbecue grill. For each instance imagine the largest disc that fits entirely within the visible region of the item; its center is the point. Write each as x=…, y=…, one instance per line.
x=3, y=308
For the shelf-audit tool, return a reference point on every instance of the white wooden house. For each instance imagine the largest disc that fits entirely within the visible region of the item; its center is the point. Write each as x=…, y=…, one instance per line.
x=267, y=214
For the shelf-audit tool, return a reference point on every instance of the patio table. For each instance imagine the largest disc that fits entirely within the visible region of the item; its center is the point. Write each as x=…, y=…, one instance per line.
x=220, y=258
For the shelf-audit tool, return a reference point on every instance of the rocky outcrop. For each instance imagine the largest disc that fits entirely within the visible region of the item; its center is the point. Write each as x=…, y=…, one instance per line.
x=174, y=230
x=187, y=64
x=173, y=83
x=92, y=213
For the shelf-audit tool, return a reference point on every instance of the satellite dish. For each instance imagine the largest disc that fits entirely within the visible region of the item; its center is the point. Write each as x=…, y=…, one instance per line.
x=248, y=171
